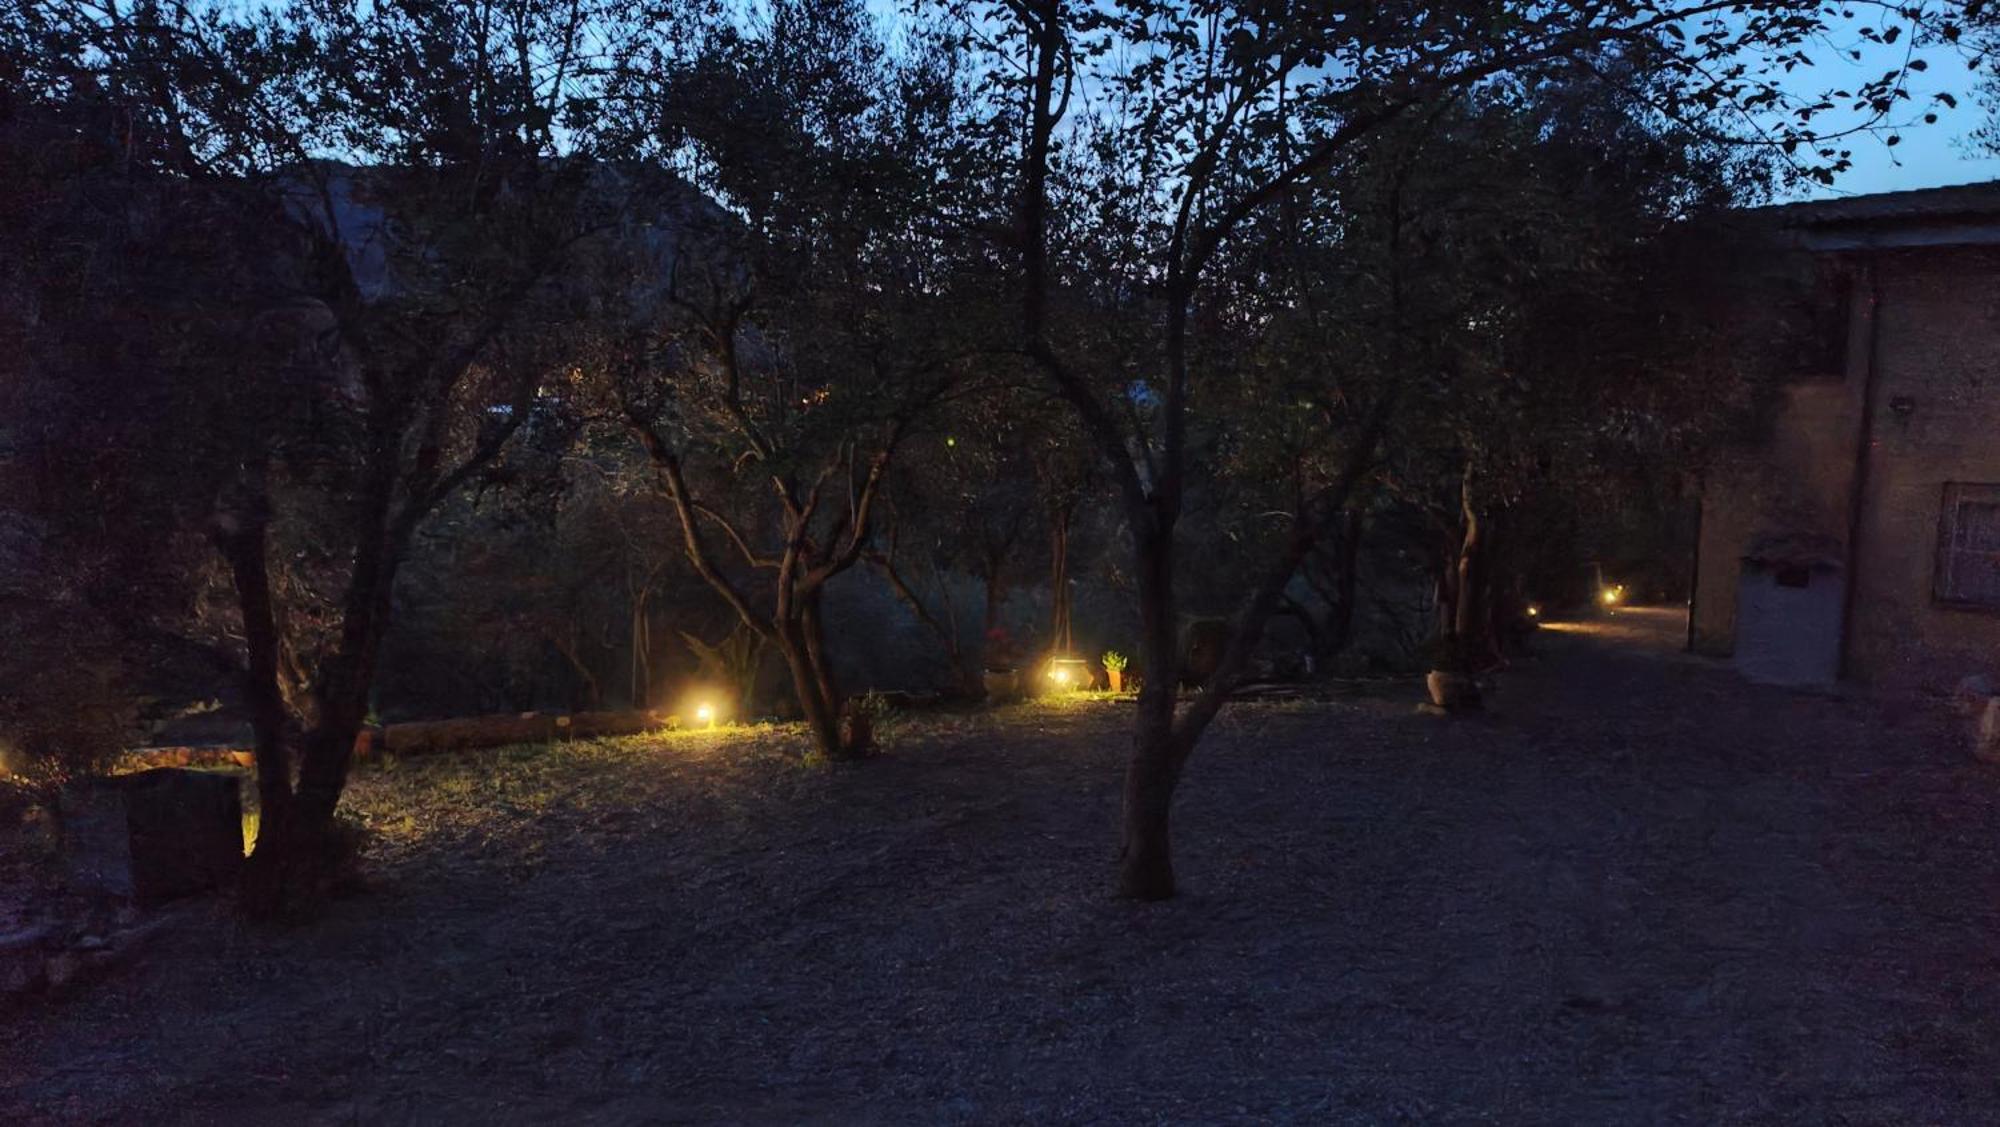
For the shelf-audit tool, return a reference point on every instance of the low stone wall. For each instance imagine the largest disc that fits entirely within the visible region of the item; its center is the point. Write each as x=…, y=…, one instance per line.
x=466, y=733
x=425, y=737
x=189, y=757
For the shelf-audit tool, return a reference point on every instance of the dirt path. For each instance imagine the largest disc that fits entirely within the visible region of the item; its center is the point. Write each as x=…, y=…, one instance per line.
x=1639, y=891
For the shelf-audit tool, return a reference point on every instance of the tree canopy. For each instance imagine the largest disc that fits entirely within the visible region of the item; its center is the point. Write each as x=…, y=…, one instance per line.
x=1218, y=288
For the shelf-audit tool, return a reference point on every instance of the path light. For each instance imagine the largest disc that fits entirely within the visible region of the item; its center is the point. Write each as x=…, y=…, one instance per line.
x=1534, y=611
x=1068, y=673
x=705, y=712
x=1613, y=595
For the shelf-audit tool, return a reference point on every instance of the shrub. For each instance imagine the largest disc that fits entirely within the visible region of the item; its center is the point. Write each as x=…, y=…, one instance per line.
x=65, y=707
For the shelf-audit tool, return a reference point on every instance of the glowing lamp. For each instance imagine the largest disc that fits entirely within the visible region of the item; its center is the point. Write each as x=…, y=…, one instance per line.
x=705, y=713
x=1068, y=673
x=1534, y=611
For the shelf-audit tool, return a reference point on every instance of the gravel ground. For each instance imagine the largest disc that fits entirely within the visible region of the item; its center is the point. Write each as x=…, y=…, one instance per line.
x=1636, y=891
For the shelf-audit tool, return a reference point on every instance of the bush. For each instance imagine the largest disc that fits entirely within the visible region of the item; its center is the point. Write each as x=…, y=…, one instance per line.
x=878, y=714
x=65, y=708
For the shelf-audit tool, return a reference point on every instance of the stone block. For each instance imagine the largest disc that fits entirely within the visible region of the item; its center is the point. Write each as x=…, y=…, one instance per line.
x=152, y=836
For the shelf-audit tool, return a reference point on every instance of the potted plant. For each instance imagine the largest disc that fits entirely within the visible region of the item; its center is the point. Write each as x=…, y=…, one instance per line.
x=1114, y=669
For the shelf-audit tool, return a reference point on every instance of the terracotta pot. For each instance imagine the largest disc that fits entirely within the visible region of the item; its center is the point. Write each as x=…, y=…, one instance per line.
x=1117, y=677
x=1453, y=692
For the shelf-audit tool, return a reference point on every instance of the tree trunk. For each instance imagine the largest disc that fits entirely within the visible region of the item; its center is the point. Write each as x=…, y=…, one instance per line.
x=243, y=541
x=1340, y=620
x=1485, y=635
x=1061, y=640
x=996, y=597
x=299, y=853
x=1316, y=642
x=1145, y=857
x=1465, y=577
x=807, y=685
x=642, y=650
x=813, y=628
x=1145, y=854
x=1471, y=636
x=582, y=677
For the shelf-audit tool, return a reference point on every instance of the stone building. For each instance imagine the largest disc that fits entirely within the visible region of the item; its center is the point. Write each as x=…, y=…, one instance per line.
x=1861, y=540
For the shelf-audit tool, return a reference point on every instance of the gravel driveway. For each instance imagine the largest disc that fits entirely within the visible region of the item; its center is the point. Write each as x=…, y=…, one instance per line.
x=1637, y=891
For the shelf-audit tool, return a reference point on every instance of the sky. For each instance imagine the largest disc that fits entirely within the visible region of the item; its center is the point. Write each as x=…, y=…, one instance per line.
x=1928, y=156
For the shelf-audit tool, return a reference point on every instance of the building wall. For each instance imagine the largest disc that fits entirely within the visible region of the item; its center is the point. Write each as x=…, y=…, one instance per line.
x=1798, y=481
x=1937, y=311
x=1939, y=356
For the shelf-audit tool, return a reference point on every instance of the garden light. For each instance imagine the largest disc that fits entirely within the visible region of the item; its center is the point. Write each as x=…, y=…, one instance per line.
x=705, y=713
x=1067, y=673
x=1613, y=595
x=1534, y=611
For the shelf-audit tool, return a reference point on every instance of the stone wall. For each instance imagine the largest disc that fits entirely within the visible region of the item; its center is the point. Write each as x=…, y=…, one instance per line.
x=1799, y=482
x=1937, y=420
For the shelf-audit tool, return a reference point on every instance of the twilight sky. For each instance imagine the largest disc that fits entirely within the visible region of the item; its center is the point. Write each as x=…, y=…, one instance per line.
x=1929, y=155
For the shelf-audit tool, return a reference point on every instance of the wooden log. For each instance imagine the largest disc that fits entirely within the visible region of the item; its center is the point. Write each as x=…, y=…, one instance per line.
x=587, y=725
x=426, y=736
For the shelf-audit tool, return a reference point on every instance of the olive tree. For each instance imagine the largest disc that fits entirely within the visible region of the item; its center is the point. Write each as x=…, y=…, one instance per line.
x=425, y=172
x=783, y=343
x=1140, y=138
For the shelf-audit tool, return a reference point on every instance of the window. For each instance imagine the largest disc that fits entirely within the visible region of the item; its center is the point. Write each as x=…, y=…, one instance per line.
x=1968, y=569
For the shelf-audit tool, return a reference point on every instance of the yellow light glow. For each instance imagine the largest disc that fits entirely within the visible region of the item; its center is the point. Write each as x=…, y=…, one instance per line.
x=1534, y=611
x=1610, y=596
x=1059, y=675
x=705, y=713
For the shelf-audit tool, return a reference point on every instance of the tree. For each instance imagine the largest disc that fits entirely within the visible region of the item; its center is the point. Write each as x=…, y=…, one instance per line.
x=1571, y=316
x=119, y=294
x=415, y=335
x=1142, y=138
x=793, y=339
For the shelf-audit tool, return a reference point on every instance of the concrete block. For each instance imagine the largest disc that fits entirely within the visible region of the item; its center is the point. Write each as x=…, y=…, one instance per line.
x=152, y=836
